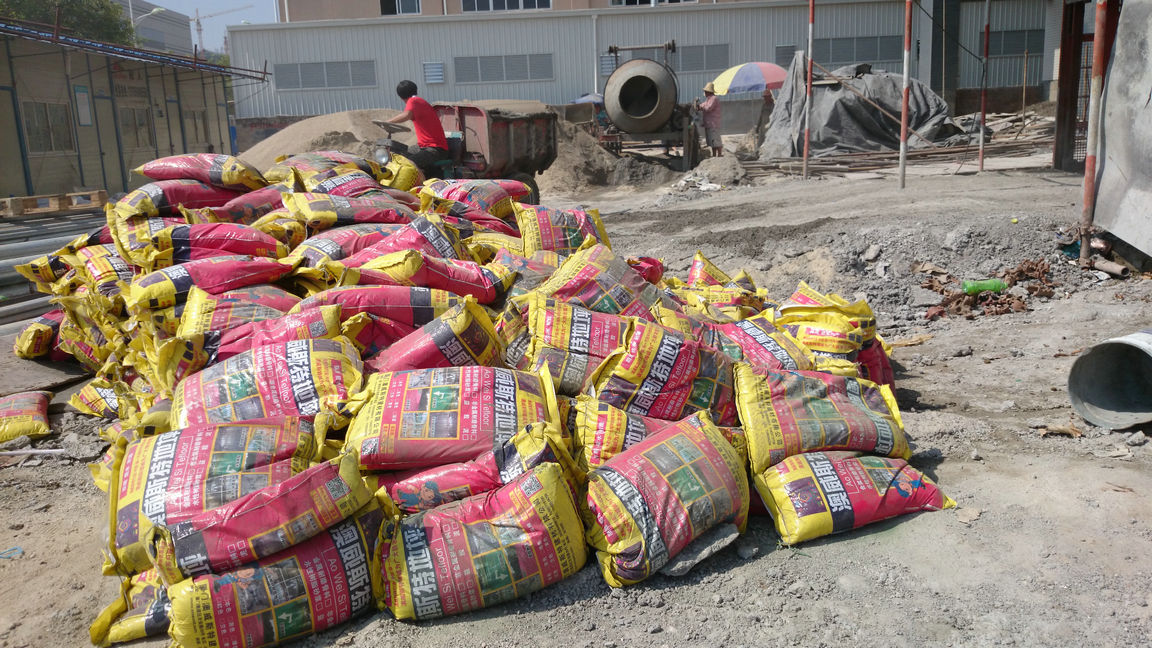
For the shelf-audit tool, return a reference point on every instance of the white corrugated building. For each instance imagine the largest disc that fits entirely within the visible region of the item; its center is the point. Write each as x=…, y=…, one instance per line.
x=556, y=50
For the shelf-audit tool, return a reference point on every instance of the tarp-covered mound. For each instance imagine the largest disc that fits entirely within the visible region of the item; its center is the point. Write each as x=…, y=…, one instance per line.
x=843, y=122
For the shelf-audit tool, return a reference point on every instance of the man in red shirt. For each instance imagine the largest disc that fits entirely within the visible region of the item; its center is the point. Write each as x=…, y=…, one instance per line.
x=431, y=144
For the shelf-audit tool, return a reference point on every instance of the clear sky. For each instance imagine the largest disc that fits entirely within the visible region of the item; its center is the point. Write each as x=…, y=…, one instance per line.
x=261, y=11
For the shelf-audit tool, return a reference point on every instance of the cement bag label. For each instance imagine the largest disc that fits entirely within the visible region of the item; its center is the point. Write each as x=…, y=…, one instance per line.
x=785, y=414
x=597, y=279
x=308, y=588
x=430, y=417
x=261, y=523
x=657, y=372
x=570, y=341
x=652, y=500
x=297, y=378
x=204, y=312
x=558, y=230
x=413, y=306
x=23, y=414
x=462, y=336
x=484, y=550
x=423, y=489
x=172, y=476
x=818, y=493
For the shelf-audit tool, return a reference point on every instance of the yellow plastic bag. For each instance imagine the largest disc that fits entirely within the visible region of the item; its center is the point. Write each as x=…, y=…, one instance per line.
x=785, y=414
x=140, y=611
x=562, y=231
x=649, y=502
x=24, y=414
x=38, y=338
x=483, y=550
x=400, y=173
x=814, y=494
x=283, y=226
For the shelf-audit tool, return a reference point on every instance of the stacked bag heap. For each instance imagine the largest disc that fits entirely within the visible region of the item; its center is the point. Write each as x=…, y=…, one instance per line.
x=334, y=386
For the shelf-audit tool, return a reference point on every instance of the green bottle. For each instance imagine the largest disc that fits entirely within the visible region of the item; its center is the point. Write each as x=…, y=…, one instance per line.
x=977, y=287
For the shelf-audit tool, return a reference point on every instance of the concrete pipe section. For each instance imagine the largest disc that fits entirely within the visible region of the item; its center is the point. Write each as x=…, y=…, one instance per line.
x=1111, y=384
x=640, y=96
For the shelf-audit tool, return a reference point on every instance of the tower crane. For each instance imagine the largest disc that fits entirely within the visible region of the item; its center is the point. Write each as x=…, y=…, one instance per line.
x=200, y=28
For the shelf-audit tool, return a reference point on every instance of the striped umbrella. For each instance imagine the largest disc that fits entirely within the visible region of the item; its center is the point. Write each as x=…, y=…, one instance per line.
x=750, y=77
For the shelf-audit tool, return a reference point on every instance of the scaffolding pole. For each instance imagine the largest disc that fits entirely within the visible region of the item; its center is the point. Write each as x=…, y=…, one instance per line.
x=1101, y=43
x=808, y=92
x=904, y=93
x=984, y=79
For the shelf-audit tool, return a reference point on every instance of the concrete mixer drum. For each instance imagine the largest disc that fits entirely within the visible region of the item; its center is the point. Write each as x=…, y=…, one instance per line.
x=640, y=96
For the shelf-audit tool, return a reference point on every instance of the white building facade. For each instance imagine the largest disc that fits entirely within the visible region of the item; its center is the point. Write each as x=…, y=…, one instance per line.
x=554, y=55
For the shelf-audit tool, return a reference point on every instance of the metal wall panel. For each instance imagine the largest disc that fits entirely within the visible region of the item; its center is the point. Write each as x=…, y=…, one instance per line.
x=400, y=47
x=1005, y=15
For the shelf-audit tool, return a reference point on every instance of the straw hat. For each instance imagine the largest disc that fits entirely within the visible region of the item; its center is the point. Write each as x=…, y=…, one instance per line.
x=708, y=87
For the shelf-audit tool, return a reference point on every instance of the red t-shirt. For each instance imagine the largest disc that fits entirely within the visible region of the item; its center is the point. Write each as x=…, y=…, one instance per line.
x=429, y=132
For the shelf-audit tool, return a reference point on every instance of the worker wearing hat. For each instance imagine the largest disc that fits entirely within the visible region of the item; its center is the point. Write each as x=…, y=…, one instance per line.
x=710, y=110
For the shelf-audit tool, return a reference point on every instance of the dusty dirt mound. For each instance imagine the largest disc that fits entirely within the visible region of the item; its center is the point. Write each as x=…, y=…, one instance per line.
x=724, y=170
x=581, y=163
x=351, y=131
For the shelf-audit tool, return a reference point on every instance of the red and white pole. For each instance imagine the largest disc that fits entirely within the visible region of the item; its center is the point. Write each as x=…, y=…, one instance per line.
x=904, y=99
x=1101, y=43
x=984, y=78
x=808, y=94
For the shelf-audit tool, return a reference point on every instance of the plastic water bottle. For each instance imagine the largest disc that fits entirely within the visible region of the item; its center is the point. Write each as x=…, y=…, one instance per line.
x=977, y=287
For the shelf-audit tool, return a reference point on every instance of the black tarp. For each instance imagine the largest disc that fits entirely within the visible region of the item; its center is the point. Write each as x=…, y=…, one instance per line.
x=842, y=122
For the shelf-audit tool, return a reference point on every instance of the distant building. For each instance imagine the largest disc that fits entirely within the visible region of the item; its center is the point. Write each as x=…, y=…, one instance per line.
x=77, y=114
x=332, y=55
x=166, y=31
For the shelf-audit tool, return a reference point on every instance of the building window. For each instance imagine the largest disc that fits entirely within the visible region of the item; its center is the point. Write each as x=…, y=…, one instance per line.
x=690, y=58
x=196, y=126
x=640, y=3
x=784, y=54
x=433, y=72
x=848, y=51
x=504, y=5
x=512, y=67
x=48, y=127
x=136, y=128
x=399, y=7
x=607, y=64
x=1015, y=42
x=333, y=74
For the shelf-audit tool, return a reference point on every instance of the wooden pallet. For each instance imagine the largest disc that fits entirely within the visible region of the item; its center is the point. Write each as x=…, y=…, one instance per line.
x=53, y=203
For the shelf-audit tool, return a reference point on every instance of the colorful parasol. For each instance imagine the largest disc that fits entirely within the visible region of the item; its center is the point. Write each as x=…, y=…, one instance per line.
x=750, y=77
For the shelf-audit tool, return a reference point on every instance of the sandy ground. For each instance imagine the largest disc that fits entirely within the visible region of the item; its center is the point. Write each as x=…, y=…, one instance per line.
x=1047, y=547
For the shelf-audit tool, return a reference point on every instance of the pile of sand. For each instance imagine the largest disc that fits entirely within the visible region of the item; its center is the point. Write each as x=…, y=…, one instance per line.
x=580, y=161
x=351, y=131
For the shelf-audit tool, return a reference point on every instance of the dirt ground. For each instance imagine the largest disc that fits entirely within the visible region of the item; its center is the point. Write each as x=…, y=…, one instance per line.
x=1047, y=547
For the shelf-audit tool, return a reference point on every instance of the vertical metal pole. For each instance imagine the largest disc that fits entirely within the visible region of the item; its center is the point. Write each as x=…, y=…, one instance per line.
x=1100, y=47
x=96, y=122
x=1024, y=84
x=116, y=125
x=984, y=79
x=904, y=98
x=17, y=117
x=808, y=91
x=943, y=54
